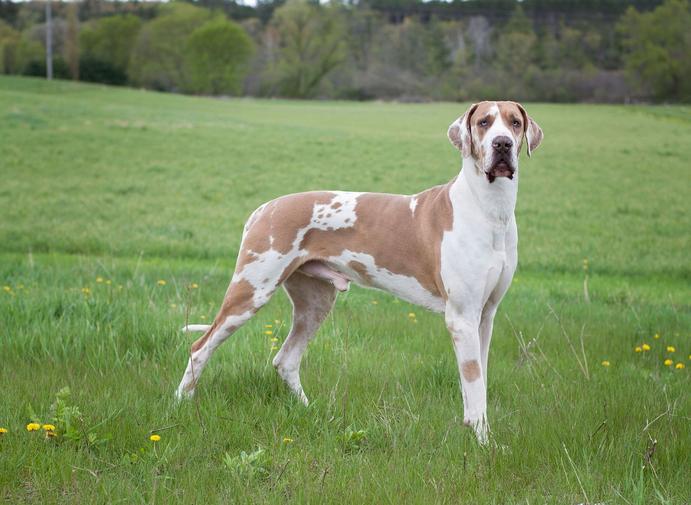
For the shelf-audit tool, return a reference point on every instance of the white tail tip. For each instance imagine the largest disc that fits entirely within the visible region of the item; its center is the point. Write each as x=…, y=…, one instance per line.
x=195, y=327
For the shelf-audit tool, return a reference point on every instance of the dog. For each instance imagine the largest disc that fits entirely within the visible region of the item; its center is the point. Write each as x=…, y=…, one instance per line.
x=451, y=249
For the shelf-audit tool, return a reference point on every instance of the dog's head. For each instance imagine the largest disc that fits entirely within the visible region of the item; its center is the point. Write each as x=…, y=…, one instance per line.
x=492, y=134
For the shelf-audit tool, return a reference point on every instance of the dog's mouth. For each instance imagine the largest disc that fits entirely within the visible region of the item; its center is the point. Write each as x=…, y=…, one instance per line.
x=501, y=168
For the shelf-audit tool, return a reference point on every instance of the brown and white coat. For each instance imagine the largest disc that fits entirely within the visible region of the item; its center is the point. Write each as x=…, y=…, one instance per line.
x=450, y=249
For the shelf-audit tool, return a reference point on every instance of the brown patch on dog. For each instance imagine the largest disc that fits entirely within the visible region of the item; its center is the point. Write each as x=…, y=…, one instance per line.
x=478, y=132
x=403, y=243
x=238, y=300
x=471, y=370
x=277, y=224
x=511, y=112
x=361, y=270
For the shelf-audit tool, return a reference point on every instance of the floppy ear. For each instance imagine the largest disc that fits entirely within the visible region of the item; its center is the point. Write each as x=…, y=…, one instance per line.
x=532, y=131
x=459, y=132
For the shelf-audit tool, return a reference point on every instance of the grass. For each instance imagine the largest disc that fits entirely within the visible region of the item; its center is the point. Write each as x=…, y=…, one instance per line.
x=105, y=192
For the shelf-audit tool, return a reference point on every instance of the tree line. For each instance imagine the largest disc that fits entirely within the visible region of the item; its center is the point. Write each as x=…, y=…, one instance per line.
x=540, y=50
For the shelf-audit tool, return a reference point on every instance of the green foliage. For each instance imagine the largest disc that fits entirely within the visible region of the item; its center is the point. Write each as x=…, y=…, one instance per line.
x=311, y=46
x=106, y=46
x=9, y=40
x=353, y=440
x=29, y=53
x=658, y=45
x=255, y=464
x=216, y=58
x=67, y=417
x=158, y=56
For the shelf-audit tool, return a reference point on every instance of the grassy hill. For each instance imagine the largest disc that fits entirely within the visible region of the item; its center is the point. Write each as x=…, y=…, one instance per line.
x=116, y=202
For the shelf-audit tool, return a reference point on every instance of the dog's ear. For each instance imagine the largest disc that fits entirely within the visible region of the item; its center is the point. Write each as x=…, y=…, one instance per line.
x=459, y=132
x=532, y=131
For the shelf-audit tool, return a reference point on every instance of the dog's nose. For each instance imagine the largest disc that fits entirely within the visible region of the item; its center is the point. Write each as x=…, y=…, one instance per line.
x=502, y=144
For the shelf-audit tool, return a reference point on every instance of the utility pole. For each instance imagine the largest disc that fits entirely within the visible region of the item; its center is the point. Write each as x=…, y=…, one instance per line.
x=49, y=42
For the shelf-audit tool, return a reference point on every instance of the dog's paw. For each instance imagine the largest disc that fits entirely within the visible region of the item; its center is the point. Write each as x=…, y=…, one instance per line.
x=182, y=394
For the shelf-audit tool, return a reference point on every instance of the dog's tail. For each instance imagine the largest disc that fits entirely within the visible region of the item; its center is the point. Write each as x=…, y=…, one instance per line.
x=190, y=328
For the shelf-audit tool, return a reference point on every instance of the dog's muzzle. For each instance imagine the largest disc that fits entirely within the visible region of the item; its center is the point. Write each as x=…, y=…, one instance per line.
x=500, y=168
x=501, y=164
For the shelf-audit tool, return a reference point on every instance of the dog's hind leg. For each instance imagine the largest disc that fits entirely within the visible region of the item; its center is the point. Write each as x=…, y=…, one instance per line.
x=241, y=302
x=312, y=300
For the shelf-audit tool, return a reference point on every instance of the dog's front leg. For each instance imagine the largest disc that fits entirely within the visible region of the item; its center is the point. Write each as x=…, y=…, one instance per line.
x=463, y=327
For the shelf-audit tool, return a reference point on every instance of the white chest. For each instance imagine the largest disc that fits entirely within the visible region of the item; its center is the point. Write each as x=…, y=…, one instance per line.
x=478, y=255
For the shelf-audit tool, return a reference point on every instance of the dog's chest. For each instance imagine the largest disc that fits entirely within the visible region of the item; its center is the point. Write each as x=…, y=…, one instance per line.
x=476, y=258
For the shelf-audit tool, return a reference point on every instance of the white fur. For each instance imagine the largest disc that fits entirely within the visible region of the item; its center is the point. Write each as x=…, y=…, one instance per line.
x=413, y=204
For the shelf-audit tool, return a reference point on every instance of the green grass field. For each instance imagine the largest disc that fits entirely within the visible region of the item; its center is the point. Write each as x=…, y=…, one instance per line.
x=116, y=203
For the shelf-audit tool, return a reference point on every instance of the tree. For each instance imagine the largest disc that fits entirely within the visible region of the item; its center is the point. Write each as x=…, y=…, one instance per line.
x=9, y=40
x=516, y=53
x=657, y=45
x=216, y=57
x=72, y=41
x=311, y=45
x=158, y=56
x=106, y=46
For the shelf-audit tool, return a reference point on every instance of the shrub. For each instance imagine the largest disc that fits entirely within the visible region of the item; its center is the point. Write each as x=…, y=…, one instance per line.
x=216, y=57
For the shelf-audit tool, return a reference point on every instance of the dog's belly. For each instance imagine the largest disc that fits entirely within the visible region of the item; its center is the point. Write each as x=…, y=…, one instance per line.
x=362, y=269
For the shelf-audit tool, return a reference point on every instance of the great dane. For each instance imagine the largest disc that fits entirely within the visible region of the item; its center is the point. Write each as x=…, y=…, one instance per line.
x=451, y=249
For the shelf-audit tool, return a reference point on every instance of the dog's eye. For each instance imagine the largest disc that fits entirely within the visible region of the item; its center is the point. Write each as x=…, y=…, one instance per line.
x=516, y=123
x=483, y=122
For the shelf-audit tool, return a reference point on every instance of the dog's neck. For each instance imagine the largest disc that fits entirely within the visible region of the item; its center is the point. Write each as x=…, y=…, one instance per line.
x=494, y=200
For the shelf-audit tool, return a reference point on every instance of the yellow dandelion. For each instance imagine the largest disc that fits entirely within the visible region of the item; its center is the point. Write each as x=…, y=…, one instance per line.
x=274, y=348
x=671, y=348
x=194, y=285
x=161, y=282
x=645, y=347
x=605, y=363
x=638, y=349
x=268, y=326
x=668, y=362
x=86, y=291
x=48, y=427
x=268, y=332
x=287, y=440
x=33, y=427
x=99, y=279
x=6, y=289
x=155, y=438
x=411, y=315
x=656, y=336
x=679, y=366
x=3, y=431
x=274, y=339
